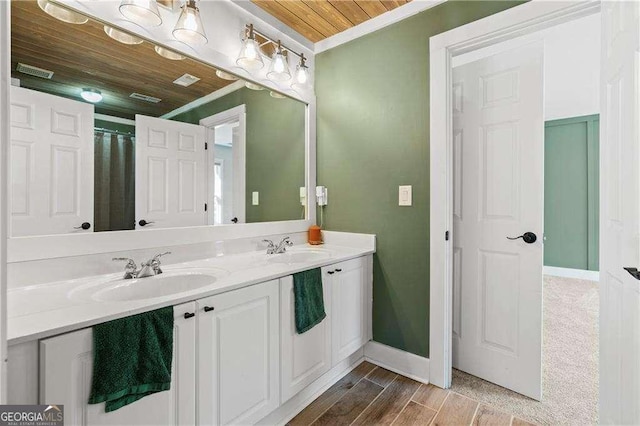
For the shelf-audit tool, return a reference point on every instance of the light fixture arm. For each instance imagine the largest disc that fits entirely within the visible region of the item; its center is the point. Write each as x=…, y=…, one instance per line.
x=250, y=32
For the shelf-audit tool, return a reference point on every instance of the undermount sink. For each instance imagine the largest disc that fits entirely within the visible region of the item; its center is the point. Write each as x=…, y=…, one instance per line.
x=300, y=256
x=166, y=284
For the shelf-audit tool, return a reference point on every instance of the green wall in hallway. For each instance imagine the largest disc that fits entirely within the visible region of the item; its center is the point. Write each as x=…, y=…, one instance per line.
x=373, y=135
x=274, y=150
x=571, y=193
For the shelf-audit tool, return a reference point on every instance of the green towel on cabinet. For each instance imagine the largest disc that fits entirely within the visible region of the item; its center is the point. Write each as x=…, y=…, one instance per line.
x=132, y=358
x=309, y=301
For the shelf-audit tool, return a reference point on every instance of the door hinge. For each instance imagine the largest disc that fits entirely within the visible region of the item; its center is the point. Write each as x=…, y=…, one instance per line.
x=206, y=146
x=205, y=207
x=446, y=236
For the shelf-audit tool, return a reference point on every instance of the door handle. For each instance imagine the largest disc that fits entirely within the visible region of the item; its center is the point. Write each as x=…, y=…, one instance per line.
x=234, y=220
x=85, y=226
x=144, y=222
x=528, y=237
x=634, y=272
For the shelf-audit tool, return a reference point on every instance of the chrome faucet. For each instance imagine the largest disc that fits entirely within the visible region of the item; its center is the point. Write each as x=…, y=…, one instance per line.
x=280, y=248
x=149, y=268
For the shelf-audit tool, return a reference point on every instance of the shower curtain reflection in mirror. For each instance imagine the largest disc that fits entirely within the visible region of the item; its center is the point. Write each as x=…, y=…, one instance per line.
x=114, y=196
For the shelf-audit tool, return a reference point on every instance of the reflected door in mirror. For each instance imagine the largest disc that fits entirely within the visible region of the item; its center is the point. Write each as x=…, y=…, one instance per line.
x=170, y=173
x=51, y=162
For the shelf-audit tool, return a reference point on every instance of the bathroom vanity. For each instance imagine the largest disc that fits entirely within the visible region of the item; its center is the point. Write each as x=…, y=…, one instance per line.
x=237, y=356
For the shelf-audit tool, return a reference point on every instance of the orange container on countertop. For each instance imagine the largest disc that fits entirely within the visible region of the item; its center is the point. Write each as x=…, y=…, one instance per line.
x=315, y=235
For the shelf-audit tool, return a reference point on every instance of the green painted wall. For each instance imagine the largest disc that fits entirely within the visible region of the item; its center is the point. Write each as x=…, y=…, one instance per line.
x=373, y=135
x=571, y=193
x=274, y=154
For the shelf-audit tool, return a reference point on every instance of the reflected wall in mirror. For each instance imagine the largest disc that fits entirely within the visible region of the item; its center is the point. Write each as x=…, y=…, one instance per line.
x=113, y=136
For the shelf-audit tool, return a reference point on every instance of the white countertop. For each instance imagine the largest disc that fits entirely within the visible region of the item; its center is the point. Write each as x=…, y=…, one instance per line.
x=45, y=310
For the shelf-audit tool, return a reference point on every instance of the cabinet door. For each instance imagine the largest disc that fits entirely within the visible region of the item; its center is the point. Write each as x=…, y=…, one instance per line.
x=349, y=309
x=304, y=357
x=238, y=362
x=66, y=364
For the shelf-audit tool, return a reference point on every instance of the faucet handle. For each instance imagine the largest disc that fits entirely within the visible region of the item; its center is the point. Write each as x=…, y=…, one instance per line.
x=157, y=257
x=130, y=262
x=129, y=269
x=269, y=242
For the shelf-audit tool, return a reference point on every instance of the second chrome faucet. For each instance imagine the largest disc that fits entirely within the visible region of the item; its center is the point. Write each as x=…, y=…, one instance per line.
x=149, y=268
x=281, y=247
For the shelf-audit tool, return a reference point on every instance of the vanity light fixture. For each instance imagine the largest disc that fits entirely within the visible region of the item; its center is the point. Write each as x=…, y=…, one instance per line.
x=302, y=74
x=226, y=76
x=169, y=54
x=91, y=95
x=253, y=86
x=121, y=36
x=250, y=57
x=189, y=28
x=279, y=69
x=61, y=13
x=141, y=12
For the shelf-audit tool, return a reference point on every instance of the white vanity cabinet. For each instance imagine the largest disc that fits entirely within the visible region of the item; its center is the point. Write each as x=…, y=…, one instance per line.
x=238, y=355
x=350, y=283
x=303, y=357
x=66, y=364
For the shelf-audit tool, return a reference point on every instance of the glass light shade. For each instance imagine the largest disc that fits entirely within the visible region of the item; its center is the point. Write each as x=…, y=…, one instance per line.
x=226, y=76
x=121, y=36
x=301, y=77
x=189, y=27
x=169, y=54
x=141, y=12
x=61, y=13
x=250, y=57
x=91, y=95
x=276, y=95
x=279, y=69
x=253, y=86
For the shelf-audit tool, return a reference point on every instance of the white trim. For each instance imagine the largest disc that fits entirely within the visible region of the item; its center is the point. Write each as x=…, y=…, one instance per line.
x=230, y=88
x=238, y=113
x=401, y=362
x=291, y=408
x=374, y=24
x=5, y=88
x=579, y=274
x=517, y=21
x=112, y=119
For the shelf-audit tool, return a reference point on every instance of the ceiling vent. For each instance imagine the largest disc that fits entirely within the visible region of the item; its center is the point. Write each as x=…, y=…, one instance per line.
x=145, y=98
x=34, y=71
x=186, y=80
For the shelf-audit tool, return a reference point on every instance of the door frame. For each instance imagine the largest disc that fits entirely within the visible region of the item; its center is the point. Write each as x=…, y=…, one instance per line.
x=238, y=113
x=512, y=23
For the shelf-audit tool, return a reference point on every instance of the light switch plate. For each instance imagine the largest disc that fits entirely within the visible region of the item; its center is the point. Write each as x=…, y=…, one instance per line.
x=404, y=195
x=255, y=198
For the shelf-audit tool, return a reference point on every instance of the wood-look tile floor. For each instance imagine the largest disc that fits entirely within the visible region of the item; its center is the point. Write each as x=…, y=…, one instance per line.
x=371, y=395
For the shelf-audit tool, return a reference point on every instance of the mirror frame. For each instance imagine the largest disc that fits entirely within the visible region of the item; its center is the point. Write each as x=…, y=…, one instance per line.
x=22, y=249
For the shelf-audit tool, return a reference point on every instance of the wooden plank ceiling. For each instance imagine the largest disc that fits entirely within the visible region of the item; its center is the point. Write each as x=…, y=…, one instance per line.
x=84, y=56
x=320, y=19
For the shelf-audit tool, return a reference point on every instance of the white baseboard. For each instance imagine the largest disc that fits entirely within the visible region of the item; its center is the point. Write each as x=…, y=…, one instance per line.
x=571, y=273
x=302, y=399
x=398, y=361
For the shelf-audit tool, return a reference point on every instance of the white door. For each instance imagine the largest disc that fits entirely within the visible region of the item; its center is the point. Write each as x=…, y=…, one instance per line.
x=51, y=162
x=238, y=355
x=66, y=364
x=170, y=173
x=307, y=356
x=349, y=311
x=620, y=214
x=498, y=193
x=226, y=136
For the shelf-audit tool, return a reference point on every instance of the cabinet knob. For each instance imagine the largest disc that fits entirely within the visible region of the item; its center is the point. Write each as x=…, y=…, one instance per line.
x=188, y=315
x=208, y=308
x=338, y=270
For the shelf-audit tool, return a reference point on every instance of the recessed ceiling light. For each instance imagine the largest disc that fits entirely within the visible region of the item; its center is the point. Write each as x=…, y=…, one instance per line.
x=253, y=86
x=225, y=75
x=91, y=95
x=277, y=95
x=64, y=15
x=169, y=54
x=121, y=36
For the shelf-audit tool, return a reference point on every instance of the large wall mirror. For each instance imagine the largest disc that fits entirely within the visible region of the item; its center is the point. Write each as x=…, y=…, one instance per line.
x=110, y=132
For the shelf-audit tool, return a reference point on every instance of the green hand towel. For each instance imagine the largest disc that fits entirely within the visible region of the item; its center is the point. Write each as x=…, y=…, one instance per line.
x=309, y=301
x=132, y=358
